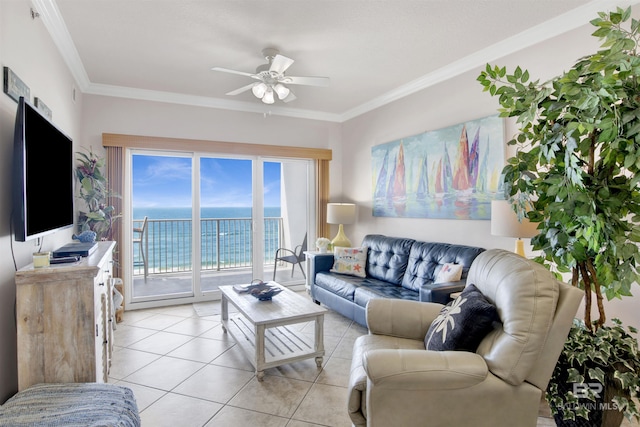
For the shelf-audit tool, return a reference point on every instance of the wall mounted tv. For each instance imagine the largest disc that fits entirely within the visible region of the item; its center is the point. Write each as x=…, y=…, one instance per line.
x=42, y=175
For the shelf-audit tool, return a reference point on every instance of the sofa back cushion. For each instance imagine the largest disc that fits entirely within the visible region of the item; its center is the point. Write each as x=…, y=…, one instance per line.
x=426, y=259
x=525, y=294
x=388, y=257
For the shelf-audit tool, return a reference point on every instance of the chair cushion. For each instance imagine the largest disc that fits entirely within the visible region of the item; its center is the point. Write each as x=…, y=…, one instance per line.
x=463, y=323
x=350, y=261
x=388, y=257
x=342, y=285
x=372, y=288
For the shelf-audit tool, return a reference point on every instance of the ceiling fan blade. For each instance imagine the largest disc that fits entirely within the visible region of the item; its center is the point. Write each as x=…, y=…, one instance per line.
x=240, y=90
x=280, y=64
x=290, y=97
x=308, y=81
x=226, y=70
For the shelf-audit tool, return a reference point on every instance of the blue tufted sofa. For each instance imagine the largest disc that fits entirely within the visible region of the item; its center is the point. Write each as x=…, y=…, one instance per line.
x=396, y=268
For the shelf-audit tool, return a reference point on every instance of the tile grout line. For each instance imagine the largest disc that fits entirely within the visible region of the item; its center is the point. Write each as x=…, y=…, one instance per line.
x=328, y=355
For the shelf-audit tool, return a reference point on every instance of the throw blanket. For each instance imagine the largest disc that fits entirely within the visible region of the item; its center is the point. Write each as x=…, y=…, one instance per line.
x=71, y=405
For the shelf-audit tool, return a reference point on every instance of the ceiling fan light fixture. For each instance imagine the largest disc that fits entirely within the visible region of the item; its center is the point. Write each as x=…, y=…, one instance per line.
x=271, y=78
x=259, y=90
x=282, y=91
x=268, y=96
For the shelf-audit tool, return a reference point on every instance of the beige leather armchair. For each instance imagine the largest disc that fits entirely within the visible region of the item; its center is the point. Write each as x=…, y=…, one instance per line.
x=394, y=381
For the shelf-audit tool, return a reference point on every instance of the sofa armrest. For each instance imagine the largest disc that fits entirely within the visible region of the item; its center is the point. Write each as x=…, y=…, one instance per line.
x=424, y=370
x=321, y=262
x=440, y=292
x=401, y=318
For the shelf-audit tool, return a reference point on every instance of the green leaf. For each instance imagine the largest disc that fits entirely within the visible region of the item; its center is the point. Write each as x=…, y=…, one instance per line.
x=615, y=17
x=518, y=72
x=626, y=14
x=87, y=184
x=597, y=374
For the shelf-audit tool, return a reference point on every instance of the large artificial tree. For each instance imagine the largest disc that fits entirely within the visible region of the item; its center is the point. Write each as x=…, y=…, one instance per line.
x=577, y=161
x=575, y=173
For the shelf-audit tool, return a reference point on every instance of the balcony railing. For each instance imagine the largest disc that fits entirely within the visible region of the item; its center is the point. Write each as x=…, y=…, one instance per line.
x=225, y=243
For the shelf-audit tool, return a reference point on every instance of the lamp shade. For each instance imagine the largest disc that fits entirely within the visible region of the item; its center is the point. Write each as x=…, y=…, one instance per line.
x=282, y=91
x=268, y=96
x=259, y=90
x=341, y=213
x=504, y=221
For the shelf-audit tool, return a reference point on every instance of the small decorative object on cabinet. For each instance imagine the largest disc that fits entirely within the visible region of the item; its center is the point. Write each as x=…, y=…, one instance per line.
x=64, y=320
x=323, y=244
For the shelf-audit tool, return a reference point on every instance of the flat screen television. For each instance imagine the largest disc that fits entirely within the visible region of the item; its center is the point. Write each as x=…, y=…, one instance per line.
x=43, y=177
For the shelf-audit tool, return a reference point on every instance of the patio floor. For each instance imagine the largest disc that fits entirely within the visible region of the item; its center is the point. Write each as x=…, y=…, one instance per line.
x=180, y=283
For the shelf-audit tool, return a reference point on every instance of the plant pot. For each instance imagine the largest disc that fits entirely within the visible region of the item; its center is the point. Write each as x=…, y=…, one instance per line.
x=612, y=417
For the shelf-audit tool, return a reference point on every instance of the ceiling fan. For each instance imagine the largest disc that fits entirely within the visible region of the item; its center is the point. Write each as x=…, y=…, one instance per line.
x=271, y=79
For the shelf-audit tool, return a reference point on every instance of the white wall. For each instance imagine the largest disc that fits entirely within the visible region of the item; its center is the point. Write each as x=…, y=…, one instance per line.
x=457, y=100
x=105, y=114
x=26, y=48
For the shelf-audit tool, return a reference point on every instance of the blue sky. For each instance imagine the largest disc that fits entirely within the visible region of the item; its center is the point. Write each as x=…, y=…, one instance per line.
x=160, y=181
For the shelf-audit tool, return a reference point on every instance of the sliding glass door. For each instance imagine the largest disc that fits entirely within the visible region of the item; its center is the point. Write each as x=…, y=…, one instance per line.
x=288, y=196
x=226, y=220
x=243, y=211
x=162, y=213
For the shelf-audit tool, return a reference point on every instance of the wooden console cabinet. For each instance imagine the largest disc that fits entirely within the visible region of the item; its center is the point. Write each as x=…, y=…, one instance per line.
x=64, y=320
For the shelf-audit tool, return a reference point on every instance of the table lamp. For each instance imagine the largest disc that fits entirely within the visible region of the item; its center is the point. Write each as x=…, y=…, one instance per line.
x=504, y=222
x=341, y=213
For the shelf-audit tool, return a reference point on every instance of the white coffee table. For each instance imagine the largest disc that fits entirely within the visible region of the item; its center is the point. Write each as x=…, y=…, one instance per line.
x=263, y=328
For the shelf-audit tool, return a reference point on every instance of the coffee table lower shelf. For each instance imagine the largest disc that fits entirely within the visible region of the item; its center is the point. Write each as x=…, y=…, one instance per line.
x=275, y=345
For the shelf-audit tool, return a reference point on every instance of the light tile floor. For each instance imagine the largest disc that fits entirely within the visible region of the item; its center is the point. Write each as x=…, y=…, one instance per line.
x=184, y=370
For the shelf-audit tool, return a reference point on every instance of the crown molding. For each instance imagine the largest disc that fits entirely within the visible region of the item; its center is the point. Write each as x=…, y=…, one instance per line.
x=53, y=22
x=568, y=21
x=203, y=101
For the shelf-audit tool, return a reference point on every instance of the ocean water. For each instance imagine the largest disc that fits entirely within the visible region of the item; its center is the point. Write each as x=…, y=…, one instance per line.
x=226, y=238
x=185, y=213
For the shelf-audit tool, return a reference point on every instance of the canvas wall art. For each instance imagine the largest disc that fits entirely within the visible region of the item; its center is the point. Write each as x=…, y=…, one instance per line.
x=450, y=173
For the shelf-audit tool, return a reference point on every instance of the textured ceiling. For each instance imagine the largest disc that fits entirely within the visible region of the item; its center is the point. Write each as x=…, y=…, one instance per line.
x=373, y=51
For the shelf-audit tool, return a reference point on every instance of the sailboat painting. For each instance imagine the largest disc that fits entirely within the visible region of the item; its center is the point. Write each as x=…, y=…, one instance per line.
x=449, y=173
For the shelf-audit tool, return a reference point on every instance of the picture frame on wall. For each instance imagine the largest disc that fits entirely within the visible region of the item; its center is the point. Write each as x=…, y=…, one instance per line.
x=449, y=173
x=14, y=86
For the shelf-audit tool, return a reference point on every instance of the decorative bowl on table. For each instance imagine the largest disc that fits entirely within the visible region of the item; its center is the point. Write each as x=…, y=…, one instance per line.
x=263, y=291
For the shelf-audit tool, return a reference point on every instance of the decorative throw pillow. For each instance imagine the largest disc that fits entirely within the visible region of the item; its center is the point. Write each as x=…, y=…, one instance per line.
x=449, y=272
x=350, y=261
x=463, y=323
